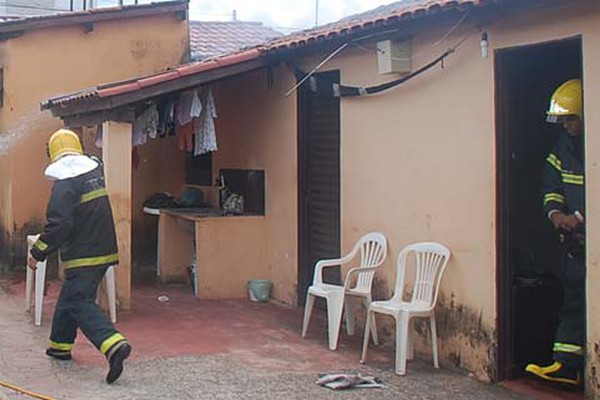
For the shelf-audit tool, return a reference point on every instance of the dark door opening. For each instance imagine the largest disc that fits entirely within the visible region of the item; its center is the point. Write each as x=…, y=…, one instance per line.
x=318, y=182
x=527, y=246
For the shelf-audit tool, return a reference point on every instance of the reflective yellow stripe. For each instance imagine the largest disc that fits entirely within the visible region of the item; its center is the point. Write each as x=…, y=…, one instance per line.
x=556, y=197
x=94, y=194
x=554, y=161
x=61, y=346
x=91, y=261
x=572, y=178
x=568, y=348
x=110, y=342
x=41, y=246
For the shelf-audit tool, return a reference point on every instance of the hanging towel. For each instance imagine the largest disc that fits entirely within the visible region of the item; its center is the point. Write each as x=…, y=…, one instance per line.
x=188, y=107
x=206, y=138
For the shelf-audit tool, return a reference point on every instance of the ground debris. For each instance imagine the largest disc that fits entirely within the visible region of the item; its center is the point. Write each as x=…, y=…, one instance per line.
x=341, y=381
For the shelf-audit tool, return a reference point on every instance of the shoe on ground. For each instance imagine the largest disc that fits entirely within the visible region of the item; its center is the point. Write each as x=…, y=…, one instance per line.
x=557, y=373
x=116, y=362
x=63, y=355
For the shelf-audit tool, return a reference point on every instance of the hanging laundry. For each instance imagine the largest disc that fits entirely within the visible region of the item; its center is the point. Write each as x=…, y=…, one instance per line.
x=205, y=133
x=188, y=107
x=166, y=118
x=185, y=135
x=145, y=125
x=98, y=141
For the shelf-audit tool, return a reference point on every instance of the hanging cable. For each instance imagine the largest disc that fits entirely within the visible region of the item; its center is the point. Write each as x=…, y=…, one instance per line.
x=331, y=55
x=338, y=90
x=351, y=91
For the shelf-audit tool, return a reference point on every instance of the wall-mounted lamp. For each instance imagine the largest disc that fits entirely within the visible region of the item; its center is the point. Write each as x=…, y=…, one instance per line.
x=484, y=45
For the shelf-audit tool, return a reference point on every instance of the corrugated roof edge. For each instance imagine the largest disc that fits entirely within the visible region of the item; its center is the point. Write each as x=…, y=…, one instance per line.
x=93, y=15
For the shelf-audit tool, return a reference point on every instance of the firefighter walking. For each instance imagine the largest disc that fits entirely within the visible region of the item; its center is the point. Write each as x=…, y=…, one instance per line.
x=80, y=224
x=564, y=204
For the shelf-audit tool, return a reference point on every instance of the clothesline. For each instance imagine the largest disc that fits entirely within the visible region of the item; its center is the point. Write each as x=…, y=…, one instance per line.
x=190, y=117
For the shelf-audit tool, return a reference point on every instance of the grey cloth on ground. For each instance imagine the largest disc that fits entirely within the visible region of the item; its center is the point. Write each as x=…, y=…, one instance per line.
x=349, y=381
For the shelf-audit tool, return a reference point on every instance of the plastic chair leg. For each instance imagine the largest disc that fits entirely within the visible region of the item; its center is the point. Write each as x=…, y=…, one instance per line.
x=335, y=305
x=434, y=341
x=310, y=301
x=370, y=316
x=373, y=324
x=410, y=345
x=40, y=281
x=349, y=314
x=28, y=287
x=401, y=339
x=110, y=289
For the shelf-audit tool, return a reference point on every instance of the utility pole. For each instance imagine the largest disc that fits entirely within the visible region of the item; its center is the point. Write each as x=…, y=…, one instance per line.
x=317, y=13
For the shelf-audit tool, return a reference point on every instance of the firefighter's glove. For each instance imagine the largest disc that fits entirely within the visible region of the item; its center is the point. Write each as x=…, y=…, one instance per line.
x=565, y=223
x=32, y=262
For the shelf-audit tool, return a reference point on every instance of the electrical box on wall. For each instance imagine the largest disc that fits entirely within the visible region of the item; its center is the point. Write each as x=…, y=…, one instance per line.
x=394, y=57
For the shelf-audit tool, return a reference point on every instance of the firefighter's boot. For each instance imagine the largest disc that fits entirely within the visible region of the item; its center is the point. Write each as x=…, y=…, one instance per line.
x=556, y=372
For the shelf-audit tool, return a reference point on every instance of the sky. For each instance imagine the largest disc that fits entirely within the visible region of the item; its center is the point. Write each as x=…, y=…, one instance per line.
x=282, y=15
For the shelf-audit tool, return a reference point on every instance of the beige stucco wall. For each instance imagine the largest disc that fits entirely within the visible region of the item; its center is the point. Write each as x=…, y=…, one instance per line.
x=48, y=62
x=418, y=163
x=256, y=129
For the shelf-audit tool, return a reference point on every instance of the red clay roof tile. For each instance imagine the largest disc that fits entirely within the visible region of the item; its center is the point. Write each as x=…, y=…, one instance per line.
x=119, y=89
x=214, y=38
x=161, y=77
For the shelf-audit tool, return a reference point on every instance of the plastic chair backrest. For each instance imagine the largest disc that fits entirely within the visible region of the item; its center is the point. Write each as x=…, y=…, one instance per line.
x=431, y=260
x=373, y=249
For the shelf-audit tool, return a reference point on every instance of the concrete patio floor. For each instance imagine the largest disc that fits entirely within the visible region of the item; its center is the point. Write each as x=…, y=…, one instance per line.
x=235, y=349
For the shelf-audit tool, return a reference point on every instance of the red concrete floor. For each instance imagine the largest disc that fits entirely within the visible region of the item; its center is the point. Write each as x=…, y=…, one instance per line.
x=263, y=335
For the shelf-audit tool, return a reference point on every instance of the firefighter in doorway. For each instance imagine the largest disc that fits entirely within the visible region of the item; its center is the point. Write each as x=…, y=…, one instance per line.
x=564, y=204
x=80, y=225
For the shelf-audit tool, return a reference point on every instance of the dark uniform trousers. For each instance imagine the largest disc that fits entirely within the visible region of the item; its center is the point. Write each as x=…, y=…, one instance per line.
x=570, y=334
x=76, y=307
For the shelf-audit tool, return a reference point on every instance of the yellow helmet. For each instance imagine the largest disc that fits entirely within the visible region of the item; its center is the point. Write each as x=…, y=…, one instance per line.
x=566, y=100
x=63, y=142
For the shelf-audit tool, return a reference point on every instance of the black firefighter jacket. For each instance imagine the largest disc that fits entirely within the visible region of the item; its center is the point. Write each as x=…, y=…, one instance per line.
x=80, y=223
x=564, y=177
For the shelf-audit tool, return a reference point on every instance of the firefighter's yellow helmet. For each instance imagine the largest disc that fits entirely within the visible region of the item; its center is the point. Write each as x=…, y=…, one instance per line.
x=63, y=142
x=566, y=100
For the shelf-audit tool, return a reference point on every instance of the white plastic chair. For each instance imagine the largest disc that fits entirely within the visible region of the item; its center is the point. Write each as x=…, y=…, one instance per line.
x=39, y=276
x=358, y=282
x=430, y=263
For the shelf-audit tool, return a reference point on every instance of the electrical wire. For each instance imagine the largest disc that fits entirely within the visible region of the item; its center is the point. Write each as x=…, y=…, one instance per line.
x=25, y=392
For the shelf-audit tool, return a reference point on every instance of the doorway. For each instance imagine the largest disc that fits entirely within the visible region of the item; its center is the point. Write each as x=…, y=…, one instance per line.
x=528, y=248
x=318, y=181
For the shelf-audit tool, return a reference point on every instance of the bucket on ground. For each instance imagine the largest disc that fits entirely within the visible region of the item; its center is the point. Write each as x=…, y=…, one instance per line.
x=259, y=289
